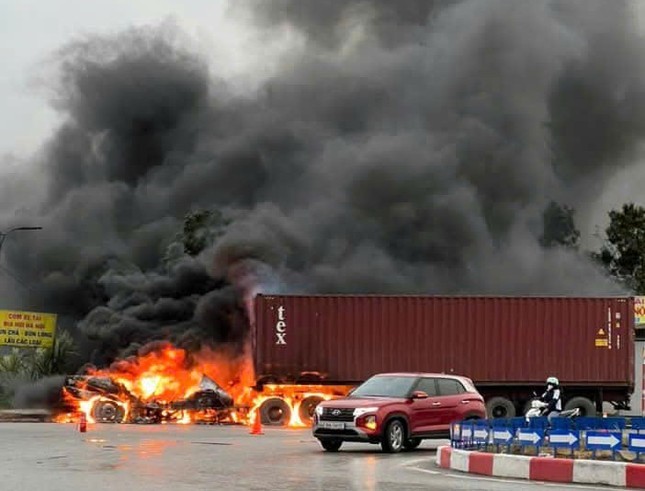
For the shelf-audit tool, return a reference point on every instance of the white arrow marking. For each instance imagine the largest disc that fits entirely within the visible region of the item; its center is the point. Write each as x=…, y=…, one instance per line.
x=638, y=442
x=530, y=437
x=610, y=440
x=568, y=438
x=505, y=435
x=481, y=434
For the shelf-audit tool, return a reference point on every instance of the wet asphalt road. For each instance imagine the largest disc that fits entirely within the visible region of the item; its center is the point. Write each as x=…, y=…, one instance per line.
x=56, y=457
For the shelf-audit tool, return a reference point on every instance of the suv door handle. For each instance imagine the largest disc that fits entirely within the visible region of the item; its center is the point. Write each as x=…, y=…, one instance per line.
x=436, y=404
x=465, y=402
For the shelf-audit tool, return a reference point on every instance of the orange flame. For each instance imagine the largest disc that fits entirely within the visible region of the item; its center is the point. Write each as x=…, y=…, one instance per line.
x=171, y=374
x=294, y=396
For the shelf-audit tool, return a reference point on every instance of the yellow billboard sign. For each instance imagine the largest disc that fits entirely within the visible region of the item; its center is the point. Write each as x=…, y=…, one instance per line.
x=639, y=312
x=27, y=329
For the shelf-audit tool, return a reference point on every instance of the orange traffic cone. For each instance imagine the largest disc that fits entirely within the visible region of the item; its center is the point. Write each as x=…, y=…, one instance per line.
x=256, y=426
x=82, y=423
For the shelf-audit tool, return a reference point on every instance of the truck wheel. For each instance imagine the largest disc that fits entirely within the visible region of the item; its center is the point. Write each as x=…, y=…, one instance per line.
x=107, y=412
x=411, y=443
x=331, y=445
x=587, y=408
x=275, y=412
x=393, y=437
x=500, y=407
x=307, y=408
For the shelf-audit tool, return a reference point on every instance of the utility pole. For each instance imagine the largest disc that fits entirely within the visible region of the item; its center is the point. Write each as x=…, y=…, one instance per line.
x=3, y=235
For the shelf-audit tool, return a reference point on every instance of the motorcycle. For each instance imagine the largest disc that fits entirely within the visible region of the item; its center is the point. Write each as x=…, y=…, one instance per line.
x=538, y=409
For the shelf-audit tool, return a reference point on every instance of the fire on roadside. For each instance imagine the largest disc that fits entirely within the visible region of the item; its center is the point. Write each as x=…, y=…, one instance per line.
x=299, y=402
x=166, y=377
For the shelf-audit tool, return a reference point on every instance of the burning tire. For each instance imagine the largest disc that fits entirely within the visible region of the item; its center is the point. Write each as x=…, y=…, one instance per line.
x=307, y=407
x=107, y=411
x=275, y=412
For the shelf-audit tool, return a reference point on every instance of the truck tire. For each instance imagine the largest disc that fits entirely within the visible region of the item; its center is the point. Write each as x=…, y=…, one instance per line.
x=393, y=436
x=275, y=412
x=587, y=408
x=307, y=408
x=107, y=411
x=500, y=407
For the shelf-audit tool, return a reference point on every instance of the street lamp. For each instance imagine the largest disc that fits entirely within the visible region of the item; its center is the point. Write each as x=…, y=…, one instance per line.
x=3, y=235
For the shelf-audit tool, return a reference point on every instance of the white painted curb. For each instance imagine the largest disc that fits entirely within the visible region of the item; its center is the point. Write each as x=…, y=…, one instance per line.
x=550, y=469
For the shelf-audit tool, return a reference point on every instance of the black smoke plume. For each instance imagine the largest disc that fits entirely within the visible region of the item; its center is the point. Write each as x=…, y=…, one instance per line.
x=399, y=147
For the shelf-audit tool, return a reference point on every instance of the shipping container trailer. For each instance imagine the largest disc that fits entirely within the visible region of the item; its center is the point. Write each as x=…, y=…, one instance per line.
x=507, y=345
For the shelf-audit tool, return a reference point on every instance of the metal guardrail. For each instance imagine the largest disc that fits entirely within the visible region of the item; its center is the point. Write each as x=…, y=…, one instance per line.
x=584, y=433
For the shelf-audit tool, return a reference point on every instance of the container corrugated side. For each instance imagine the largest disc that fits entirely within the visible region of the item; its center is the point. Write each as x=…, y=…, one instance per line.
x=490, y=339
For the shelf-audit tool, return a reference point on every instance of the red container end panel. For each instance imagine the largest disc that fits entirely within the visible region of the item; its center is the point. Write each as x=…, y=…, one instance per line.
x=490, y=339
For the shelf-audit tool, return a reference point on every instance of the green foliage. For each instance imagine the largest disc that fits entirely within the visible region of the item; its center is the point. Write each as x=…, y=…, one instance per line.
x=559, y=227
x=623, y=253
x=195, y=234
x=33, y=364
x=40, y=362
x=13, y=363
x=200, y=230
x=55, y=360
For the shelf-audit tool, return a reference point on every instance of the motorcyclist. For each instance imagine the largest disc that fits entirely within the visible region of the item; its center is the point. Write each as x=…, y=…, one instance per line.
x=553, y=398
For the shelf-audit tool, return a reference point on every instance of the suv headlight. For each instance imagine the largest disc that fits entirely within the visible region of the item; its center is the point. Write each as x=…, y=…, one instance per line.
x=359, y=411
x=319, y=410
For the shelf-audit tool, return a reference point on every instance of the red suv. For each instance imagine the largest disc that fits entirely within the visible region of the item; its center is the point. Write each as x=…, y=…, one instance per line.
x=397, y=410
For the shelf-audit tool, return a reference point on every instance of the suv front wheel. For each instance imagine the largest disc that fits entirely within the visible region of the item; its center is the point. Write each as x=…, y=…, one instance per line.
x=393, y=437
x=411, y=443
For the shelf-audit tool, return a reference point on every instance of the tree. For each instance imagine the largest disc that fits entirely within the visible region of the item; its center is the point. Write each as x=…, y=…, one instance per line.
x=623, y=253
x=12, y=363
x=40, y=362
x=200, y=229
x=558, y=227
x=195, y=235
x=24, y=364
x=55, y=360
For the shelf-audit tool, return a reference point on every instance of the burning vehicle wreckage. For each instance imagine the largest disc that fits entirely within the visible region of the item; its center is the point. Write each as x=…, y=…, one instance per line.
x=105, y=400
x=164, y=385
x=170, y=385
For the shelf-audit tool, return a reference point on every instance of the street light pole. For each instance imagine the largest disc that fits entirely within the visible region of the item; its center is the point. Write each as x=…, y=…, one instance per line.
x=3, y=235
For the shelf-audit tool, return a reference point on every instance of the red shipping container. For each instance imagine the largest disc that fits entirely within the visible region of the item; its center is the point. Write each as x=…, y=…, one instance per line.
x=493, y=340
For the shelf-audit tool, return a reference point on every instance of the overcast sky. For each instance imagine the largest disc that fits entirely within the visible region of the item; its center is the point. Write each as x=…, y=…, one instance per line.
x=31, y=30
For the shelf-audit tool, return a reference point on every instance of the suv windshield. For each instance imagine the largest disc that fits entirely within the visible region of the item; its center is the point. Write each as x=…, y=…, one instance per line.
x=385, y=387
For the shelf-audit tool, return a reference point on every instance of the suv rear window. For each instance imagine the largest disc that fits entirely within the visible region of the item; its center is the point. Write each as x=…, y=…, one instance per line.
x=450, y=387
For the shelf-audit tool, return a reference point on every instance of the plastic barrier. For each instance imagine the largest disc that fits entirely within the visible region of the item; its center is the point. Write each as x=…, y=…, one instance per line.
x=593, y=434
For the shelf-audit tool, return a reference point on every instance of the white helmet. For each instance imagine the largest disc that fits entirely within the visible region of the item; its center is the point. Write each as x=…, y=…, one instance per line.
x=552, y=381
